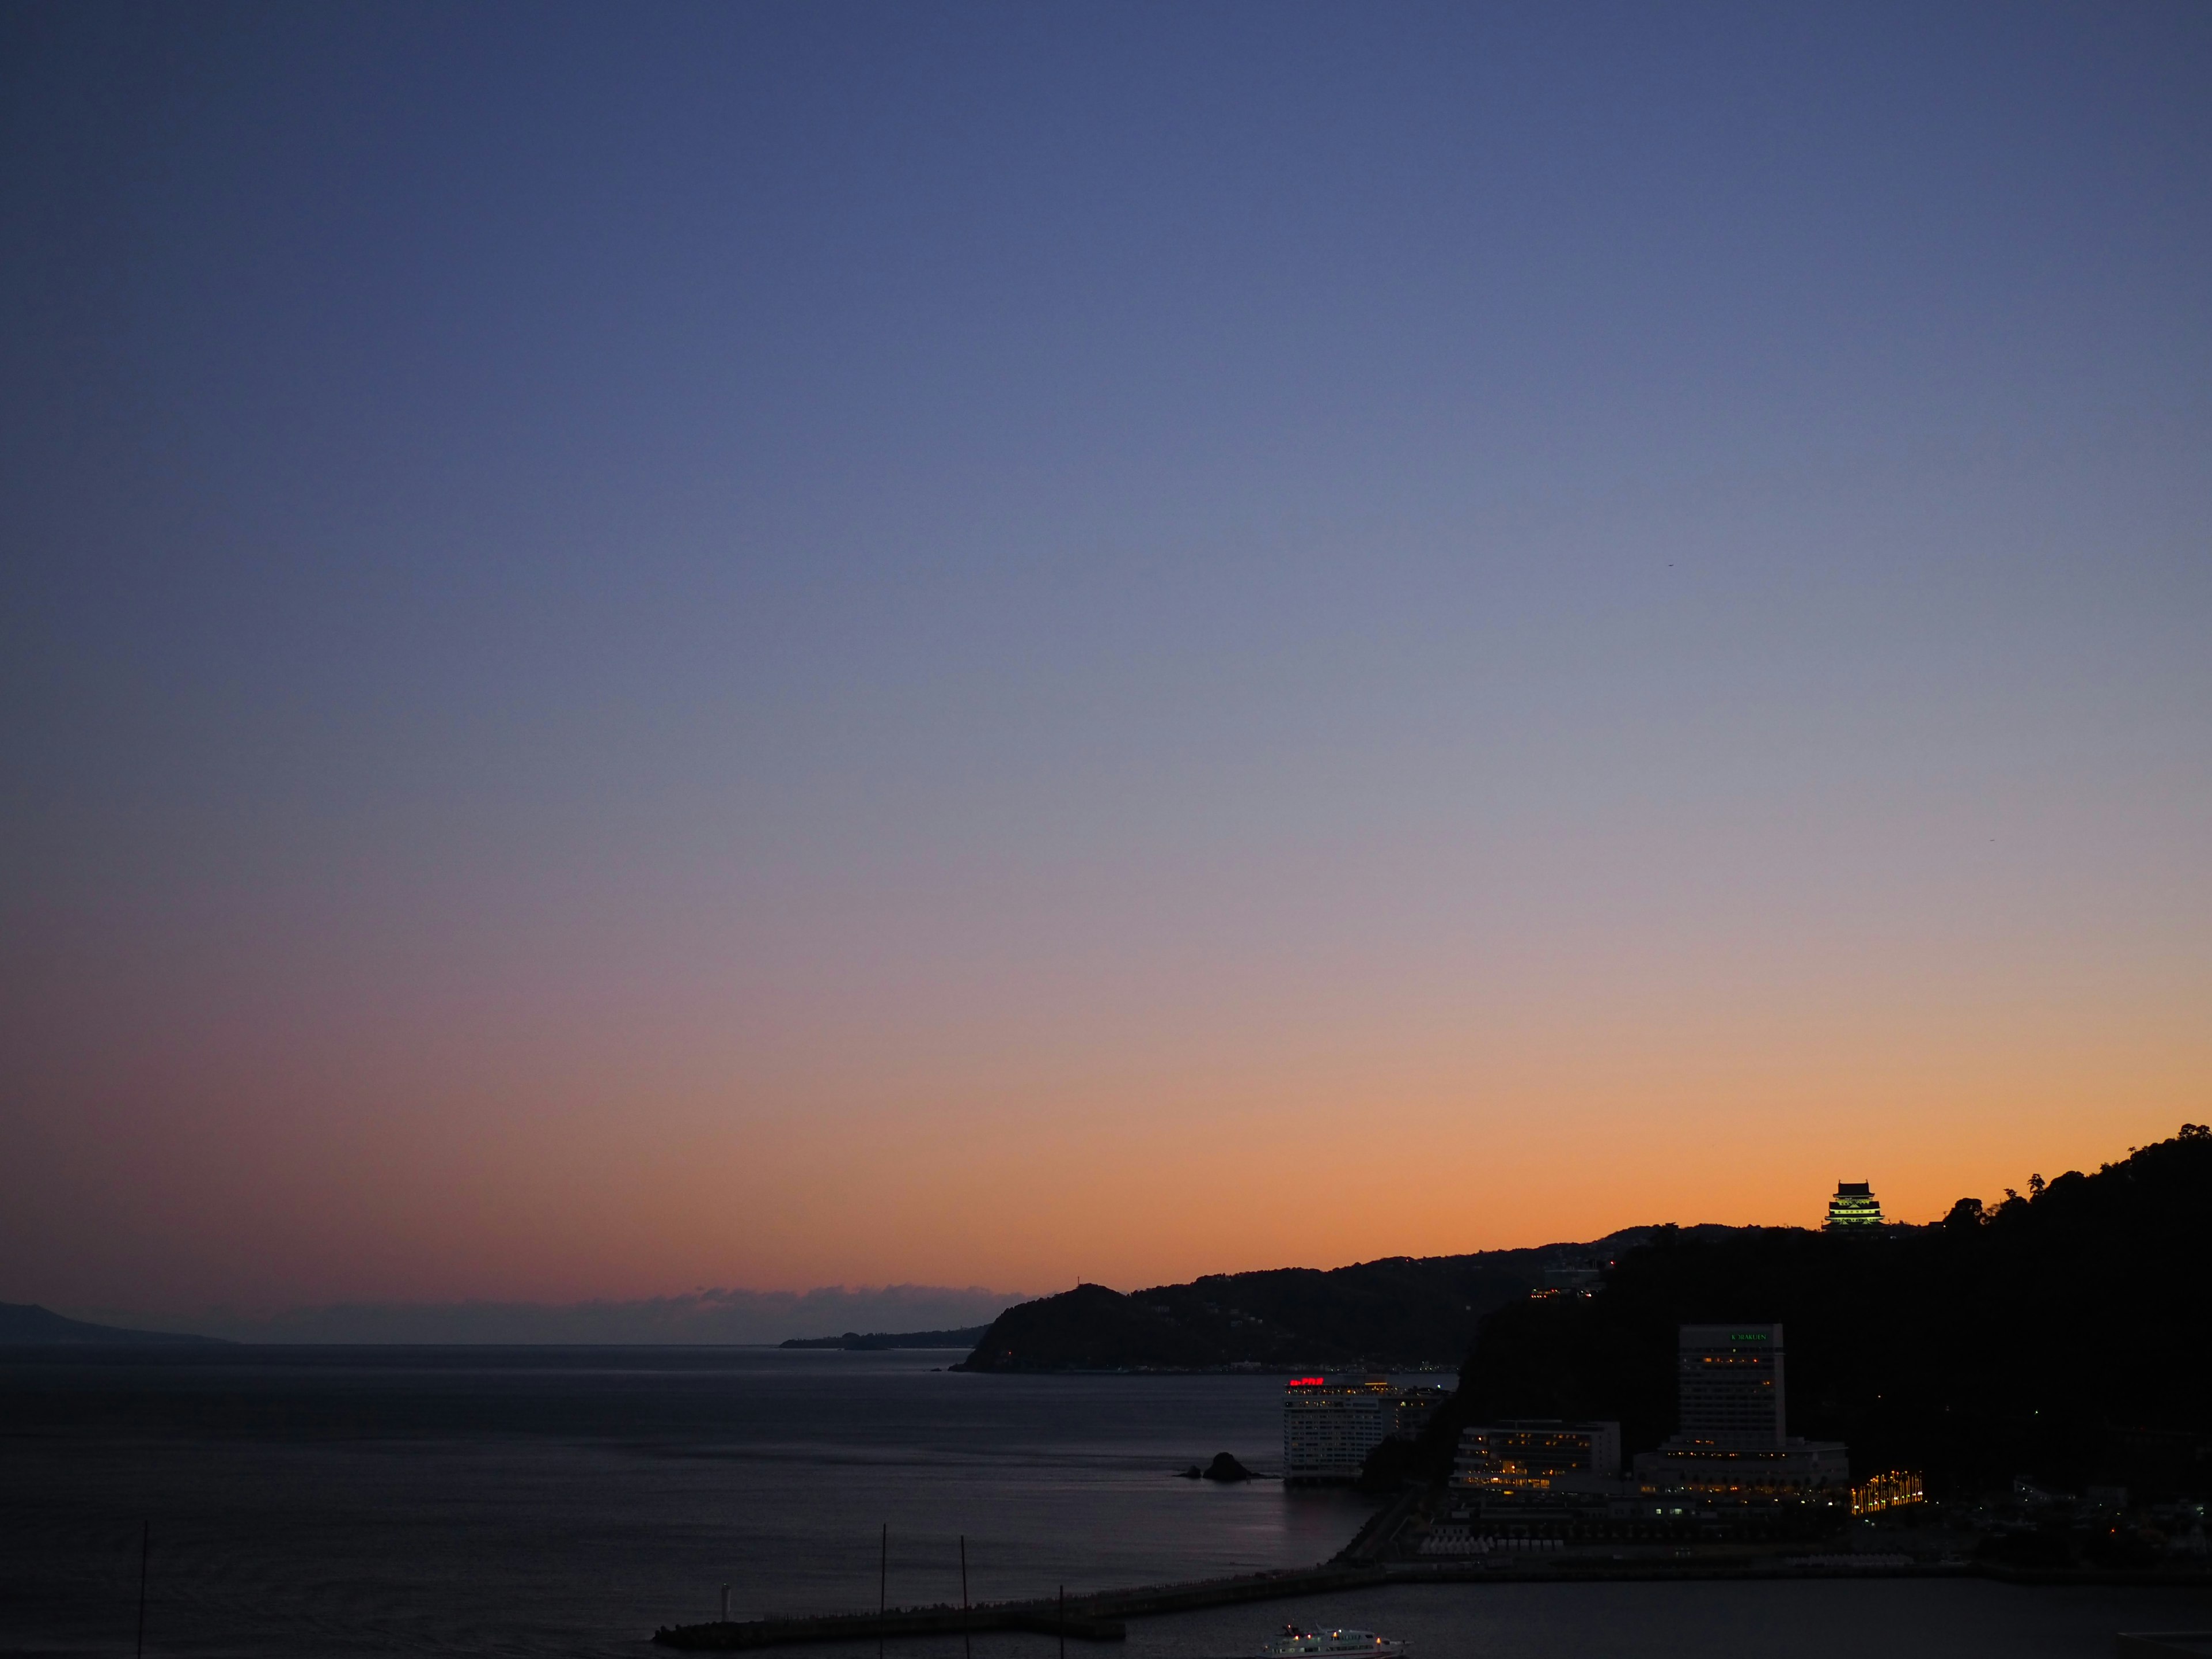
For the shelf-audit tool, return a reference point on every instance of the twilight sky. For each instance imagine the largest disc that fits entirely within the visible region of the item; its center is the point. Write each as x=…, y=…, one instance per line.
x=781, y=645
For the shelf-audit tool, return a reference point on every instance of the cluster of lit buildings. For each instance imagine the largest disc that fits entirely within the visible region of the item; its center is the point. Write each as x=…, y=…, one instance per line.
x=1890, y=1490
x=1731, y=1460
x=1731, y=1457
x=1328, y=1428
x=1584, y=1282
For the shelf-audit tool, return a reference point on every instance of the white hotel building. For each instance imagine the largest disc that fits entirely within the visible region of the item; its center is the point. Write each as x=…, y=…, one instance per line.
x=1328, y=1428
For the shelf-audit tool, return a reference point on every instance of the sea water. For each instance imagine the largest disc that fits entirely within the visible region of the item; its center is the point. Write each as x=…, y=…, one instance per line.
x=313, y=1501
x=529, y=1500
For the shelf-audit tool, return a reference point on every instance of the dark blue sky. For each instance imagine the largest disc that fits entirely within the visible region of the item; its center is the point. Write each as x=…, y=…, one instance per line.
x=749, y=577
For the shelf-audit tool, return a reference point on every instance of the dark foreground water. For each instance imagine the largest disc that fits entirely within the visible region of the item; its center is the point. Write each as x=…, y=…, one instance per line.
x=307, y=1502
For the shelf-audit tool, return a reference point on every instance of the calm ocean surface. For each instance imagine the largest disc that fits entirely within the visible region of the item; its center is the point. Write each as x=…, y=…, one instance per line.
x=544, y=1501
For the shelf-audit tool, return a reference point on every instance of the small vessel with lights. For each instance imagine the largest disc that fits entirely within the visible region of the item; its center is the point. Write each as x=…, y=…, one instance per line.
x=1296, y=1642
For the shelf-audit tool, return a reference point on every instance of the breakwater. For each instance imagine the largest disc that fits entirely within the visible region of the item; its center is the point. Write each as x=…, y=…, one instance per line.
x=1099, y=1616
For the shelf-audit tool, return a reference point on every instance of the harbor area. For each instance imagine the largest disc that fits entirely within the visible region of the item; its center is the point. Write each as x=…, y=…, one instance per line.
x=1731, y=1495
x=1106, y=1617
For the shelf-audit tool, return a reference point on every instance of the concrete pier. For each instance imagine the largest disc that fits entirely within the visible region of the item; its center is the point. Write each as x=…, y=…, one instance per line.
x=1097, y=1617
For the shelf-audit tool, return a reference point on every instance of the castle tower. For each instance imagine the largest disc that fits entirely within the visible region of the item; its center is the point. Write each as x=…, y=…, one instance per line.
x=1853, y=1205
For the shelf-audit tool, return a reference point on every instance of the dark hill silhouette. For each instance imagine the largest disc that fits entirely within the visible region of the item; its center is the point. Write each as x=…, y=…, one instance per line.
x=26, y=1324
x=2065, y=1335
x=1401, y=1312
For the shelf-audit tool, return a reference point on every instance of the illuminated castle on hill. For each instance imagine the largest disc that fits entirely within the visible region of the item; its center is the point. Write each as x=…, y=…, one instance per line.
x=1853, y=1205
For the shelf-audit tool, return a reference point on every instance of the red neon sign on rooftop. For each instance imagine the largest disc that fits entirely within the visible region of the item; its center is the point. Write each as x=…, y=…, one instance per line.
x=1307, y=1382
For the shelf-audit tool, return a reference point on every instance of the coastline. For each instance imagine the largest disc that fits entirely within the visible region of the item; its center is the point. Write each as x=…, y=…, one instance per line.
x=1101, y=1617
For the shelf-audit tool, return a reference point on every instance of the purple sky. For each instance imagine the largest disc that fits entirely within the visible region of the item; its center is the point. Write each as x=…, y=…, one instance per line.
x=768, y=645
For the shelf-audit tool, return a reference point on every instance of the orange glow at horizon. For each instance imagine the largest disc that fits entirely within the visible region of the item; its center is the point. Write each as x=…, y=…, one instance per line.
x=1023, y=1148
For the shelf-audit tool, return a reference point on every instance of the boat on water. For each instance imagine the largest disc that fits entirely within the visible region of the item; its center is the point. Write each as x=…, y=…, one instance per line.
x=1296, y=1641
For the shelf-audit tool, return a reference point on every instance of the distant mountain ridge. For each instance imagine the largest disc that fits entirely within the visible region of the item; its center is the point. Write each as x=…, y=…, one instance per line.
x=877, y=1341
x=1399, y=1312
x=26, y=1325
x=707, y=1317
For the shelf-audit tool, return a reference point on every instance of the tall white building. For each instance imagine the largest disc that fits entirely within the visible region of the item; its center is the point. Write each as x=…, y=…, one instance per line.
x=1328, y=1428
x=1727, y=1386
x=1732, y=1434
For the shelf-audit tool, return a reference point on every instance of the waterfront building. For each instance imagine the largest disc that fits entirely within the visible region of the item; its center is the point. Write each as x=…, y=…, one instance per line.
x=1728, y=1385
x=1537, y=1457
x=1890, y=1490
x=1853, y=1205
x=1328, y=1428
x=1732, y=1438
x=1412, y=1408
x=1454, y=1537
